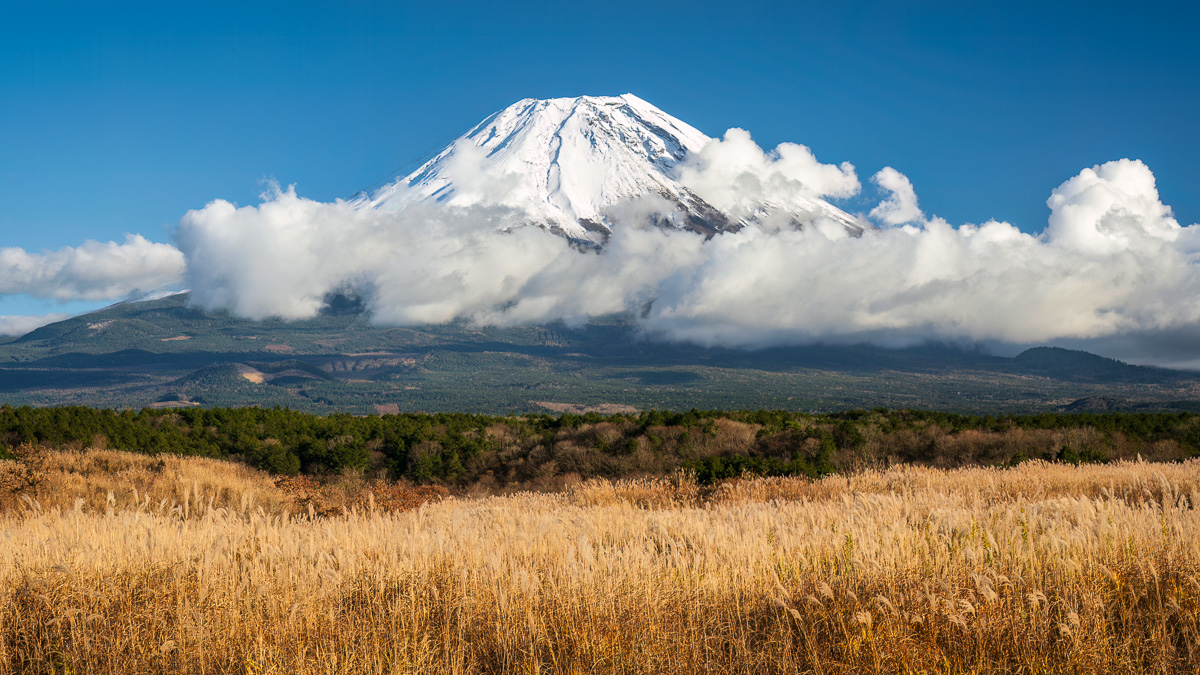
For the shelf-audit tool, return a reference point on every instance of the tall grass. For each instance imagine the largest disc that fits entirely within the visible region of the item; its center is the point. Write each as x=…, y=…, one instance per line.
x=1039, y=568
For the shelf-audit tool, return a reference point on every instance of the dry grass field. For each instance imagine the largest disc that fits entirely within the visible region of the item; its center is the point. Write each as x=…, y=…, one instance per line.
x=117, y=563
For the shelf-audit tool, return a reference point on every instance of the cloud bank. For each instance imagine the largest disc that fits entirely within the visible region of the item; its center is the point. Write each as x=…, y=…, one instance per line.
x=93, y=271
x=1112, y=261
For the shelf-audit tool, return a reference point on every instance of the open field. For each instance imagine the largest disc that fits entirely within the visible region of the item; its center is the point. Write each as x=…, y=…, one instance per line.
x=209, y=567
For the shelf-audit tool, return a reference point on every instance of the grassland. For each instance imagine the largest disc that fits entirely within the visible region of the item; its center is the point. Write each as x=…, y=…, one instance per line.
x=122, y=563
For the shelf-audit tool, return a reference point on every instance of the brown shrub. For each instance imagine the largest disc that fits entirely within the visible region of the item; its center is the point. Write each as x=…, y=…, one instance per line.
x=339, y=496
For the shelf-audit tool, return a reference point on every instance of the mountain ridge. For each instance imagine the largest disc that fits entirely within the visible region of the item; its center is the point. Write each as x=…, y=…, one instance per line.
x=165, y=352
x=1080, y=365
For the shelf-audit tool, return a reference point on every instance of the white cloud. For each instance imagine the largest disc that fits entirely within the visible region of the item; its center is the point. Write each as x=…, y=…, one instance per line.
x=1112, y=262
x=424, y=264
x=1110, y=209
x=93, y=271
x=901, y=205
x=736, y=176
x=11, y=326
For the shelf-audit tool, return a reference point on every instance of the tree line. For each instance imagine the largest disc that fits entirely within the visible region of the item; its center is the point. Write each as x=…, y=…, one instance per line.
x=459, y=449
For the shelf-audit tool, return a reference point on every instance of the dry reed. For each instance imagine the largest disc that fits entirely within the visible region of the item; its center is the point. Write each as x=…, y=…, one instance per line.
x=1039, y=568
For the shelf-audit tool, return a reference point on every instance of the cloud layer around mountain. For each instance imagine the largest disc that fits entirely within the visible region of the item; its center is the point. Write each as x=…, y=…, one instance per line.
x=426, y=264
x=1112, y=262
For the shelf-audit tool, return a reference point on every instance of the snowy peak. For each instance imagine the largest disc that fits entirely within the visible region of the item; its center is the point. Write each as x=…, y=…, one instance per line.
x=565, y=162
x=587, y=124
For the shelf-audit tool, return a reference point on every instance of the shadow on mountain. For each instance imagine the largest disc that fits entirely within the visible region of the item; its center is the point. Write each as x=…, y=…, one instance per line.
x=654, y=378
x=1079, y=366
x=21, y=380
x=140, y=358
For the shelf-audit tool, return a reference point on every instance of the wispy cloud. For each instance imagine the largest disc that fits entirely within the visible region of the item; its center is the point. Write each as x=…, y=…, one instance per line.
x=901, y=206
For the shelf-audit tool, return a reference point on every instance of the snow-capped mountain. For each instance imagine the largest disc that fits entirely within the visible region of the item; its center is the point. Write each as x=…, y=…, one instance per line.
x=567, y=161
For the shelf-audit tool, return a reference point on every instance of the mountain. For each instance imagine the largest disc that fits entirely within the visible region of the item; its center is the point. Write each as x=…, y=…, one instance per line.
x=1081, y=366
x=566, y=162
x=165, y=352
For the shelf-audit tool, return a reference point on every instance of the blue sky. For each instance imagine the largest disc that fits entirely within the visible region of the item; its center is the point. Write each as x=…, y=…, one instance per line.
x=117, y=119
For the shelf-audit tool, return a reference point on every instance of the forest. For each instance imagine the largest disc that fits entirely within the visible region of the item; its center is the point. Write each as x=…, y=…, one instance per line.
x=541, y=450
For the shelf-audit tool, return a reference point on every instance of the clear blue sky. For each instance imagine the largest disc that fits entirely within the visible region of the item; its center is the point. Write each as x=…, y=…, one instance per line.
x=119, y=117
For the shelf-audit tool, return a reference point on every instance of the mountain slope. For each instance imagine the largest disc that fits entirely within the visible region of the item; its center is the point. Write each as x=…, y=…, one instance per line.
x=164, y=352
x=566, y=162
x=1081, y=366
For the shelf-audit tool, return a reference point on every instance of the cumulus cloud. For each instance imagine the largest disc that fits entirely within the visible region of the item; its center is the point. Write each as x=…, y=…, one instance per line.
x=11, y=326
x=901, y=206
x=1110, y=209
x=1112, y=261
x=737, y=176
x=425, y=264
x=93, y=271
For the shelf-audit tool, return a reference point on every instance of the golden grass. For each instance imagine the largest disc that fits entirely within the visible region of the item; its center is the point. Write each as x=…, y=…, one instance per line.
x=103, y=478
x=1036, y=569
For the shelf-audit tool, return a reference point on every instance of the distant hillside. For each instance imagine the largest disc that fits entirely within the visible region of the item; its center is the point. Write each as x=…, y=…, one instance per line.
x=164, y=352
x=1079, y=366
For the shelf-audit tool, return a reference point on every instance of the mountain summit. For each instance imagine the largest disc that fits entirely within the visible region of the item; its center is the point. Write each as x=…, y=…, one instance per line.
x=567, y=161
